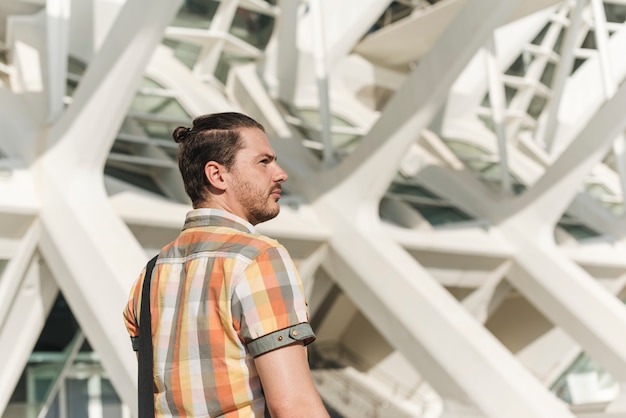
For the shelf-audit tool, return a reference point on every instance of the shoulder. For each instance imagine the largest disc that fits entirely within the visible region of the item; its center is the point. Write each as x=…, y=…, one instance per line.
x=253, y=245
x=221, y=241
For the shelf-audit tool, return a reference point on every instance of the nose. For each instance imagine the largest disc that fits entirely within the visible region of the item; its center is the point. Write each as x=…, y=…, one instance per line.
x=281, y=175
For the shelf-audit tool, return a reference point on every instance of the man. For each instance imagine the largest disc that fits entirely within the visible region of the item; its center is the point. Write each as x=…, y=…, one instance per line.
x=230, y=314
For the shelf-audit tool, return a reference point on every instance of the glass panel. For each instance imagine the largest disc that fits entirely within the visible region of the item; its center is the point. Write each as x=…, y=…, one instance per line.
x=521, y=64
x=488, y=170
x=154, y=104
x=616, y=208
x=411, y=190
x=519, y=188
x=253, y=28
x=225, y=63
x=484, y=164
x=153, y=116
x=187, y=53
x=509, y=94
x=536, y=106
x=341, y=141
x=3, y=265
x=83, y=381
x=598, y=191
x=158, y=129
x=590, y=41
x=432, y=207
x=137, y=179
x=585, y=382
x=559, y=42
x=488, y=121
x=77, y=398
x=615, y=13
x=394, y=12
x=541, y=35
x=577, y=63
x=196, y=14
x=75, y=70
x=47, y=359
x=605, y=197
x=464, y=150
x=548, y=74
x=579, y=232
x=486, y=101
x=3, y=56
x=111, y=403
x=436, y=215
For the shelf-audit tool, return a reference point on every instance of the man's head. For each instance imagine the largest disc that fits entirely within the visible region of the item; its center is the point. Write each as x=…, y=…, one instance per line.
x=227, y=162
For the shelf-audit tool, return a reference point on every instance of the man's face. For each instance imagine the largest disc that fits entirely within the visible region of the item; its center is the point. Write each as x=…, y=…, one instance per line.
x=257, y=177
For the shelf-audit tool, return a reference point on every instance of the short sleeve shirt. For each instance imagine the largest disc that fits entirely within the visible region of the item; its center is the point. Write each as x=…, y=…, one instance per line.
x=221, y=294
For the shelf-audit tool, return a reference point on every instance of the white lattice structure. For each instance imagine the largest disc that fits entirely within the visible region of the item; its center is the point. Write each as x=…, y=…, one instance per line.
x=454, y=202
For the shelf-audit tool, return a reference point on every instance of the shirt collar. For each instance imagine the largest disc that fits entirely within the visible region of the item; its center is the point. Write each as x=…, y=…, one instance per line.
x=217, y=217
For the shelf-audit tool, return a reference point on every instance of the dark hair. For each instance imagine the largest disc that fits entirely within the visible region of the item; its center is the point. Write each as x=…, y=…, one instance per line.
x=213, y=137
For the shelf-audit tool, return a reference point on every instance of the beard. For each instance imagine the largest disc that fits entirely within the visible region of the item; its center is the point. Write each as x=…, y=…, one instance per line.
x=258, y=203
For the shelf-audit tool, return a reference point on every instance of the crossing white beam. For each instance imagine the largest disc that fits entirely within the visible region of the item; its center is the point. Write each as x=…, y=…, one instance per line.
x=23, y=325
x=554, y=283
x=422, y=321
x=97, y=262
x=369, y=170
x=19, y=262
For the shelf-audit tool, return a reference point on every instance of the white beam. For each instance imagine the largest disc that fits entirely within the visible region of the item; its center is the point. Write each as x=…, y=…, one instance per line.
x=321, y=75
x=498, y=112
x=569, y=297
x=97, y=282
x=608, y=82
x=15, y=270
x=109, y=84
x=550, y=280
x=489, y=296
x=212, y=51
x=286, y=66
x=547, y=129
x=22, y=327
x=423, y=321
x=368, y=171
x=57, y=31
x=346, y=22
x=71, y=350
x=540, y=206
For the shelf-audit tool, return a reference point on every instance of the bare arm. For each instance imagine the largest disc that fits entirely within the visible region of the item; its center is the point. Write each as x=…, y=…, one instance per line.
x=287, y=383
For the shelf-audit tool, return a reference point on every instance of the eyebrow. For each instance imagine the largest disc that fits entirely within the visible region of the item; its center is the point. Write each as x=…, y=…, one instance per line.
x=270, y=156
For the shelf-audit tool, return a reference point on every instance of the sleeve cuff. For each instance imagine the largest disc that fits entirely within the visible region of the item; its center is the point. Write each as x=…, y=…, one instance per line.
x=281, y=338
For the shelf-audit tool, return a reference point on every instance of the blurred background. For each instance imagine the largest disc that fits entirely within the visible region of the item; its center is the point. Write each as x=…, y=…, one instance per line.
x=455, y=202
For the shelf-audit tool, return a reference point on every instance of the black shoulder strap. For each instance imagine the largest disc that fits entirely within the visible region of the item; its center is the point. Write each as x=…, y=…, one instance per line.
x=145, y=376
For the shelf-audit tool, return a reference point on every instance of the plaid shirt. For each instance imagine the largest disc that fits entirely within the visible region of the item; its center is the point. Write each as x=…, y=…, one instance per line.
x=221, y=294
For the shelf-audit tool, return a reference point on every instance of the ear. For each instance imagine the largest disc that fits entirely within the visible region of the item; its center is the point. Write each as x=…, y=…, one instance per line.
x=215, y=174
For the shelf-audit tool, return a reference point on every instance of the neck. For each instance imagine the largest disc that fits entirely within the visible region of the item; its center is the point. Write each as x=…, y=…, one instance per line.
x=222, y=205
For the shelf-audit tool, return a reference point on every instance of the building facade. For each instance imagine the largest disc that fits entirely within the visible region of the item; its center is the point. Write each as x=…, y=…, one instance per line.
x=454, y=203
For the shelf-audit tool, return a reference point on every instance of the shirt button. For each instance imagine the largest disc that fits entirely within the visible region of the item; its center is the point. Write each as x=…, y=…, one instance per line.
x=295, y=332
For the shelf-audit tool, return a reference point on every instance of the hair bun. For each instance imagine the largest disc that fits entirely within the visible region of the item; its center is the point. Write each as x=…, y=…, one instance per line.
x=180, y=134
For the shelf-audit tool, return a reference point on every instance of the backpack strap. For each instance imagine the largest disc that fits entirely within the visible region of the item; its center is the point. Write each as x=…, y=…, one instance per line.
x=145, y=376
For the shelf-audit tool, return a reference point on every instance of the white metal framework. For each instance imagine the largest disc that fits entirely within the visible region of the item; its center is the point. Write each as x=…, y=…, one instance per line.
x=455, y=201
